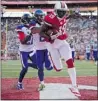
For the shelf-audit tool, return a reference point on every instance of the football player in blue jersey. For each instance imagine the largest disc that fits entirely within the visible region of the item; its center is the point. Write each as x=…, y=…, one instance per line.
x=42, y=55
x=32, y=47
x=26, y=48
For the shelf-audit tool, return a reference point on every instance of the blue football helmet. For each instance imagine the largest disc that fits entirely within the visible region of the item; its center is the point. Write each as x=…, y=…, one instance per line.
x=39, y=14
x=26, y=18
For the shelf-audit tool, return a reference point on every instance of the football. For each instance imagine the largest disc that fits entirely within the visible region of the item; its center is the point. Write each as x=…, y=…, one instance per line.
x=51, y=32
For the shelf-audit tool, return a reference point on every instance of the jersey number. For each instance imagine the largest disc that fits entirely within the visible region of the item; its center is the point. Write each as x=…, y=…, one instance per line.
x=62, y=29
x=51, y=16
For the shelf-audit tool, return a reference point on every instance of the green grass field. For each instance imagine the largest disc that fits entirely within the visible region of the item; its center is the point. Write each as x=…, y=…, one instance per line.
x=11, y=69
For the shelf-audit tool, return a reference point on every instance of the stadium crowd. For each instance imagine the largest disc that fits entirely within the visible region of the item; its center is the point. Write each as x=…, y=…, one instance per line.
x=80, y=31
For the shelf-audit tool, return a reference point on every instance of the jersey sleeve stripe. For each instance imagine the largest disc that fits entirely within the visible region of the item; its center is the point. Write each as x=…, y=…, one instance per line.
x=31, y=27
x=17, y=30
x=47, y=23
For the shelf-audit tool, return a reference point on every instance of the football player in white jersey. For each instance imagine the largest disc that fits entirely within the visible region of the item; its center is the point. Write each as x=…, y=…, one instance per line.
x=54, y=31
x=26, y=48
x=42, y=55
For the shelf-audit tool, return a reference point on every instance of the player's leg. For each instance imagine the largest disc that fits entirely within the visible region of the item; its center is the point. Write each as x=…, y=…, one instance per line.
x=32, y=57
x=55, y=57
x=88, y=56
x=95, y=55
x=97, y=58
x=40, y=64
x=24, y=59
x=48, y=61
x=73, y=55
x=66, y=53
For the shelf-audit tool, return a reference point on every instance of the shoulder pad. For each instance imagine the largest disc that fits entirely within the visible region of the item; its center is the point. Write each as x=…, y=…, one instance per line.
x=19, y=28
x=33, y=22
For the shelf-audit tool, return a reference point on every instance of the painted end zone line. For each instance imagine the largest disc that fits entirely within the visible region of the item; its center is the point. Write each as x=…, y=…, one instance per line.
x=57, y=91
x=61, y=91
x=83, y=87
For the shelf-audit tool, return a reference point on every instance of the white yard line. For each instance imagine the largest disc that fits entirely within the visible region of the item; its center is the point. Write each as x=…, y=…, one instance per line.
x=87, y=87
x=84, y=87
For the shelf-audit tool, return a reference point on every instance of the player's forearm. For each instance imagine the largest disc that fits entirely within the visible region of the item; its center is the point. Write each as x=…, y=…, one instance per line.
x=43, y=34
x=43, y=31
x=35, y=30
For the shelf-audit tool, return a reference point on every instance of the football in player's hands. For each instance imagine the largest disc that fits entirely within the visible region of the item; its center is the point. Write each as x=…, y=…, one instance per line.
x=51, y=32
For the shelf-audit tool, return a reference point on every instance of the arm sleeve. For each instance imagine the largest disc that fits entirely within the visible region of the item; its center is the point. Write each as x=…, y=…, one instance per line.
x=21, y=36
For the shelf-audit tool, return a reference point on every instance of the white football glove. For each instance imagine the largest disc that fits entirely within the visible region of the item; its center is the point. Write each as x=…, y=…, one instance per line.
x=55, y=36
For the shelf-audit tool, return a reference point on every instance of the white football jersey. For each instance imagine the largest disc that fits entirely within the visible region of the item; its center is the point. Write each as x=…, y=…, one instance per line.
x=29, y=46
x=39, y=42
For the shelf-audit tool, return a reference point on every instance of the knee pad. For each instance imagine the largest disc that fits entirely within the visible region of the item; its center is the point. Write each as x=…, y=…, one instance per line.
x=70, y=63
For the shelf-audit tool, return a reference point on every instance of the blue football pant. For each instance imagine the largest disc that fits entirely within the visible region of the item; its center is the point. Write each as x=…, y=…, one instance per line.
x=42, y=59
x=25, y=56
x=95, y=55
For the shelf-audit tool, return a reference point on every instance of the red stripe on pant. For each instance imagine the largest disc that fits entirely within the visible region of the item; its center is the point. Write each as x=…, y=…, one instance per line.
x=54, y=65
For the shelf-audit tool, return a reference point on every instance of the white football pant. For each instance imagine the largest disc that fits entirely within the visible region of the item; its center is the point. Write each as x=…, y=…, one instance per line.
x=59, y=49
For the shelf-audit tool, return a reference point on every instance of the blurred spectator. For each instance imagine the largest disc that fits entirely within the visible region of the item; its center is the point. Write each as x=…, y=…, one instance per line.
x=88, y=51
x=82, y=31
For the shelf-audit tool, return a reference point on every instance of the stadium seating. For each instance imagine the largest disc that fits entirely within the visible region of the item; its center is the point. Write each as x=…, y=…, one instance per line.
x=80, y=31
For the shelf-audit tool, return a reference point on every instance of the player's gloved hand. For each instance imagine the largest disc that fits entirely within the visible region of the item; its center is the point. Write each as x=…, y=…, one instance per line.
x=54, y=36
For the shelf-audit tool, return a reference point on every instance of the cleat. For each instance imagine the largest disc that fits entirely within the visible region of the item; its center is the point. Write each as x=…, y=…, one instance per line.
x=20, y=86
x=41, y=87
x=75, y=91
